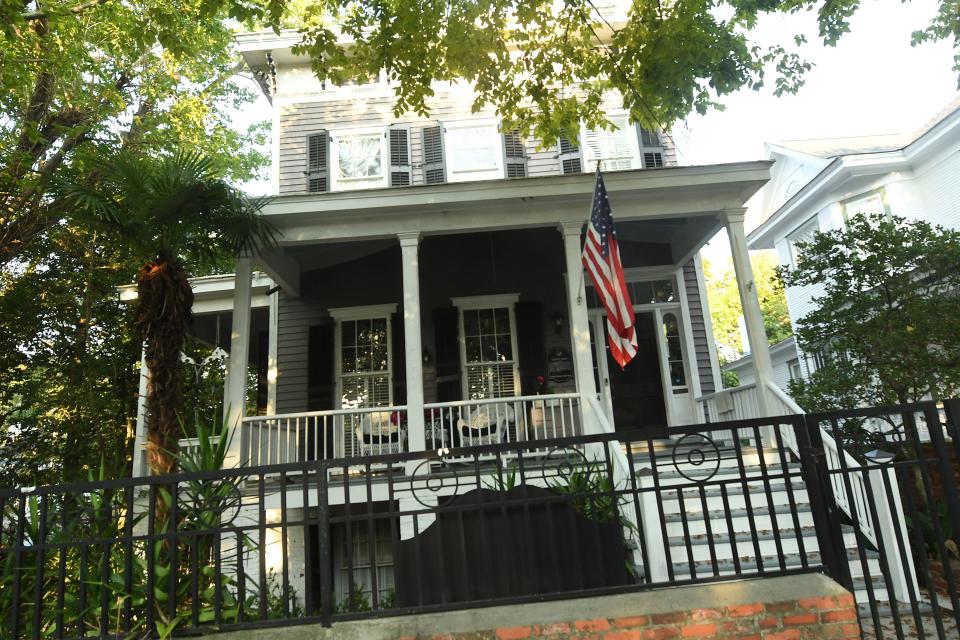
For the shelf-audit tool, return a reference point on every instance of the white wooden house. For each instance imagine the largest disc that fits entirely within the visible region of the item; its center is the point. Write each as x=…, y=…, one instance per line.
x=816, y=185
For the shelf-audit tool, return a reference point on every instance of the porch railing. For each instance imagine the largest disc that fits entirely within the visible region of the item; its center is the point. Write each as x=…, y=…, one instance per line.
x=470, y=423
x=322, y=435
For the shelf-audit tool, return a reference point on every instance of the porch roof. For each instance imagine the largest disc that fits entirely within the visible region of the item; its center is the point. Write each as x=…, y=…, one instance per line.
x=643, y=194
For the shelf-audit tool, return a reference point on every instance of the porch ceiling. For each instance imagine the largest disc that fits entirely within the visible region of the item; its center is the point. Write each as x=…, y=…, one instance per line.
x=658, y=194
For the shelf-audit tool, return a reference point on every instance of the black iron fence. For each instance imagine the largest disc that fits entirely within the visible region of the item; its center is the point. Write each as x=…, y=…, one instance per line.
x=330, y=540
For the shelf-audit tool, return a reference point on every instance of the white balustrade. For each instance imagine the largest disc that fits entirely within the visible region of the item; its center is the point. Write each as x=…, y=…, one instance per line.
x=321, y=435
x=471, y=423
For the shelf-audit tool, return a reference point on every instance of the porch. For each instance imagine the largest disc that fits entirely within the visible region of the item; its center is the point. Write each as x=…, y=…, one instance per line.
x=462, y=317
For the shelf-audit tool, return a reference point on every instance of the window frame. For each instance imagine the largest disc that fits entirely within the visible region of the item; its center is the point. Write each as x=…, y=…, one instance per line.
x=589, y=163
x=453, y=174
x=879, y=192
x=356, y=184
x=473, y=303
x=352, y=314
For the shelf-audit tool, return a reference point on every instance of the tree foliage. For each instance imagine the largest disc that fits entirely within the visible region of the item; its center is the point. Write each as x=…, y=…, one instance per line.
x=886, y=325
x=725, y=309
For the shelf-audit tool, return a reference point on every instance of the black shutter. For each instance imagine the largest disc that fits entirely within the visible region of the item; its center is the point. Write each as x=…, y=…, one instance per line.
x=446, y=328
x=651, y=148
x=318, y=156
x=532, y=357
x=569, y=154
x=399, y=359
x=434, y=171
x=321, y=385
x=514, y=154
x=400, y=169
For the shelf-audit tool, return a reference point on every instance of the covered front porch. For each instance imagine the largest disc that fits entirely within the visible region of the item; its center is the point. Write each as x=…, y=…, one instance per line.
x=452, y=316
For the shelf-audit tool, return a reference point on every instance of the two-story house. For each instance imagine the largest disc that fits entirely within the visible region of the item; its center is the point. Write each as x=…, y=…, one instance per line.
x=816, y=185
x=428, y=292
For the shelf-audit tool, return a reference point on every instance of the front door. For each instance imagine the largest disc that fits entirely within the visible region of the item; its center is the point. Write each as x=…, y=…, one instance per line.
x=634, y=394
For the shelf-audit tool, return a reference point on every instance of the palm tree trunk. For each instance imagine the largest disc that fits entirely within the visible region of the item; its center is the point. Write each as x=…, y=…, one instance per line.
x=163, y=316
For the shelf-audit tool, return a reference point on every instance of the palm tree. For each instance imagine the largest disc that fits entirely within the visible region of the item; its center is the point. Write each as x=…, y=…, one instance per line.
x=169, y=212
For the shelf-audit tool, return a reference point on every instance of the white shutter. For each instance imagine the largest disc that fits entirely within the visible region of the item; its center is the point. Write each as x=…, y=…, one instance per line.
x=651, y=148
x=400, y=167
x=569, y=154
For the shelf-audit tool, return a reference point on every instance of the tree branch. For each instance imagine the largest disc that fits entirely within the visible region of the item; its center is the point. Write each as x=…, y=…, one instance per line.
x=75, y=10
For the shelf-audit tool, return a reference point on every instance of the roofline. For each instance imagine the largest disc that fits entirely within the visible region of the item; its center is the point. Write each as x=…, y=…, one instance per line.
x=863, y=162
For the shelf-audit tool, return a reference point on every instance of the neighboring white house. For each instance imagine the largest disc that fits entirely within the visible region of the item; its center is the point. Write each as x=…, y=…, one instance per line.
x=818, y=184
x=786, y=364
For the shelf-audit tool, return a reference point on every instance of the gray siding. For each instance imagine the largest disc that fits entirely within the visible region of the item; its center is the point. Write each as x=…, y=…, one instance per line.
x=698, y=311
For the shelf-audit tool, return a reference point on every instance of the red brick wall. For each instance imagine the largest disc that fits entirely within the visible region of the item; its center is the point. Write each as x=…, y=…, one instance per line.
x=832, y=617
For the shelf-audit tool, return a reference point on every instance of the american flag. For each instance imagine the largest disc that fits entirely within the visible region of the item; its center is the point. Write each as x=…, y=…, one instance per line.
x=601, y=258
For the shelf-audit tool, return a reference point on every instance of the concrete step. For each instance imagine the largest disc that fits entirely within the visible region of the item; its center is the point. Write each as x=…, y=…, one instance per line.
x=737, y=498
x=740, y=522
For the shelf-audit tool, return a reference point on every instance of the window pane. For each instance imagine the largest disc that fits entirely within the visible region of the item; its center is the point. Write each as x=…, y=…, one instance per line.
x=502, y=319
x=489, y=348
x=359, y=157
x=504, y=348
x=475, y=148
x=349, y=361
x=670, y=325
x=473, y=349
x=663, y=291
x=677, y=377
x=643, y=293
x=363, y=358
x=471, y=323
x=363, y=332
x=486, y=321
x=380, y=357
x=673, y=349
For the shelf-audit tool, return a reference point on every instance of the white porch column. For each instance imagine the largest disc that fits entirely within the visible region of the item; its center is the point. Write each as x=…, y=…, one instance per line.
x=235, y=387
x=579, y=322
x=753, y=317
x=272, y=326
x=413, y=347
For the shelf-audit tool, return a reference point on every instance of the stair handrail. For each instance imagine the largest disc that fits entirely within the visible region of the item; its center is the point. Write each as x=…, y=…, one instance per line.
x=859, y=510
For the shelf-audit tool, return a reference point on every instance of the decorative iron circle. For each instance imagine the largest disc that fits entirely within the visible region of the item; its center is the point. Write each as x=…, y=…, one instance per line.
x=573, y=459
x=209, y=504
x=888, y=446
x=698, y=451
x=423, y=484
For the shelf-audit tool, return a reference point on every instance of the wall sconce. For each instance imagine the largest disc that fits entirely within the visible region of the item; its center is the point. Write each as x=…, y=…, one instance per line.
x=558, y=320
x=427, y=357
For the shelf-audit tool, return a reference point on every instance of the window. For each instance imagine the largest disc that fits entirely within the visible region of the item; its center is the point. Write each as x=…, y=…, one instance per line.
x=868, y=204
x=642, y=292
x=364, y=356
x=356, y=554
x=671, y=332
x=803, y=235
x=617, y=149
x=488, y=346
x=794, y=367
x=359, y=159
x=473, y=150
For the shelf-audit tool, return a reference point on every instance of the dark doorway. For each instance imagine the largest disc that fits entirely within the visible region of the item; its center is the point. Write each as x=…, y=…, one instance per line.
x=637, y=390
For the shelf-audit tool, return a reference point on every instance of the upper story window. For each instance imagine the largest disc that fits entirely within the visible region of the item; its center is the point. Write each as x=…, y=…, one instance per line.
x=628, y=146
x=359, y=159
x=874, y=202
x=804, y=234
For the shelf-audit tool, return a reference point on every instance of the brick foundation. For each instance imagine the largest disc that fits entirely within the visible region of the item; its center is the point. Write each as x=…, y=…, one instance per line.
x=822, y=617
x=801, y=607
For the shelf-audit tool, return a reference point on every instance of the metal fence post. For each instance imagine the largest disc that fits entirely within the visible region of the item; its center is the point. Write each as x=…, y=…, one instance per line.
x=827, y=516
x=323, y=543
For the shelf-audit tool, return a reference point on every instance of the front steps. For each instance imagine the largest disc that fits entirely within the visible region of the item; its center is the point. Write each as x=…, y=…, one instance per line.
x=752, y=509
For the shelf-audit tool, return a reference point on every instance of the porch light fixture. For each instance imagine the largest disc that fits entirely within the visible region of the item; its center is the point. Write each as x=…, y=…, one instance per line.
x=427, y=357
x=558, y=321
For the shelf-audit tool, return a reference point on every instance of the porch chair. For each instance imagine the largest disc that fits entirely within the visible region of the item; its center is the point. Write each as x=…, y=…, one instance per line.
x=378, y=435
x=487, y=424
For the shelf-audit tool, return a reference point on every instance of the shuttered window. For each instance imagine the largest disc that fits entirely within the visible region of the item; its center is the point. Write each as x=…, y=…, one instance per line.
x=616, y=149
x=569, y=154
x=651, y=146
x=515, y=155
x=318, y=152
x=434, y=171
x=400, y=168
